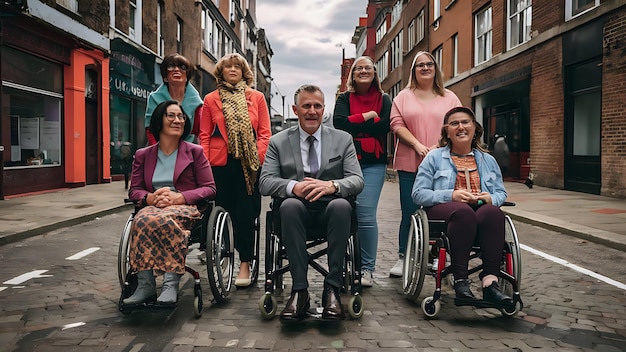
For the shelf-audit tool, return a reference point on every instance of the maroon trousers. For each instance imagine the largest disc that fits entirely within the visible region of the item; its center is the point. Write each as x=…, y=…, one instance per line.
x=466, y=226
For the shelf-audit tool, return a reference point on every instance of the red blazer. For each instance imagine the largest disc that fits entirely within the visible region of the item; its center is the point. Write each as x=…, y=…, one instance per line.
x=213, y=138
x=192, y=173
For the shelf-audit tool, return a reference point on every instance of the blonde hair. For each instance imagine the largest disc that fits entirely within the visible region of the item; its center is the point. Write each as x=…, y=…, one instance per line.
x=237, y=60
x=437, y=84
x=352, y=82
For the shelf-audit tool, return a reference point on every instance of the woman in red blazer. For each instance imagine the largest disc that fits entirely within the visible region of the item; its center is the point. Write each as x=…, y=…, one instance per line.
x=168, y=179
x=234, y=133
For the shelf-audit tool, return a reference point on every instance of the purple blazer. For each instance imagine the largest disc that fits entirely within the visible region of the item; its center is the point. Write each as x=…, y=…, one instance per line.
x=192, y=173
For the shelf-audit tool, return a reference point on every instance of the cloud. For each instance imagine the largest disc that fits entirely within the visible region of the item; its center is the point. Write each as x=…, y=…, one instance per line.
x=307, y=37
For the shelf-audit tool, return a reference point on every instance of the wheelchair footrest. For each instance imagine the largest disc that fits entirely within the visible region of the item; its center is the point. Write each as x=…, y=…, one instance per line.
x=479, y=303
x=147, y=305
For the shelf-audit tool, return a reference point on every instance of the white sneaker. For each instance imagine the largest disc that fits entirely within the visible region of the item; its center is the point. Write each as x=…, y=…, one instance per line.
x=367, y=279
x=396, y=271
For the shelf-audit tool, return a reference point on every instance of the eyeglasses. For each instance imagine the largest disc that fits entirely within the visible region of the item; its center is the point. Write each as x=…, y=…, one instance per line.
x=367, y=68
x=172, y=67
x=171, y=117
x=421, y=65
x=465, y=123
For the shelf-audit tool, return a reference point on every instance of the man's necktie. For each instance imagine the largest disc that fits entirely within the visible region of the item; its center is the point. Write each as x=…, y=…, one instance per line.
x=314, y=165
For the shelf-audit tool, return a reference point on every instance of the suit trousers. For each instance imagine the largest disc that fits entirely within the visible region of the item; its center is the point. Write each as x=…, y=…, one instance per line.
x=297, y=216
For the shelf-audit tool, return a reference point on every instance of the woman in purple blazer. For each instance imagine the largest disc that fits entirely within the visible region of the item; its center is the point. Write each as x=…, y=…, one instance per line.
x=168, y=179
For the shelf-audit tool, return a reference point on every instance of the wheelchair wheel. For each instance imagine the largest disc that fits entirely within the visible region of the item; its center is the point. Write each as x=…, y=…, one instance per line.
x=511, y=244
x=416, y=257
x=355, y=307
x=255, y=262
x=123, y=264
x=429, y=308
x=268, y=306
x=220, y=253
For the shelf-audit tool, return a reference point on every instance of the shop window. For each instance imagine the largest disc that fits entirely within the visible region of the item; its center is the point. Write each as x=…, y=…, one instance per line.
x=32, y=100
x=35, y=124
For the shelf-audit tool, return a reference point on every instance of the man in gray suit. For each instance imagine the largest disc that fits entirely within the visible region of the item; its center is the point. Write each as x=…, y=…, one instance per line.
x=312, y=169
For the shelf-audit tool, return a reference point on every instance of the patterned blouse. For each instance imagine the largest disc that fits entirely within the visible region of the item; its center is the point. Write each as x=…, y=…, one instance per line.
x=467, y=177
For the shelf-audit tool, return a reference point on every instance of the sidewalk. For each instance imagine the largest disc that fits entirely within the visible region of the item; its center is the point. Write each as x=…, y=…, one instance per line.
x=594, y=218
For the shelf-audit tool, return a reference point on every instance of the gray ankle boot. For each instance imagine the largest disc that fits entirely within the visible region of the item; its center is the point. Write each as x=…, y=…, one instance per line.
x=169, y=292
x=146, y=289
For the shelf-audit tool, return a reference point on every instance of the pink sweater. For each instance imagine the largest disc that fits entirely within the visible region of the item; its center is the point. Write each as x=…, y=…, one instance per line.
x=423, y=119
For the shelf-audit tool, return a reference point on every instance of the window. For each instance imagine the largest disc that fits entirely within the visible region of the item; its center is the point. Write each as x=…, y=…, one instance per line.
x=520, y=20
x=382, y=66
x=415, y=31
x=32, y=94
x=242, y=34
x=574, y=8
x=179, y=35
x=381, y=31
x=436, y=9
x=482, y=41
x=396, y=51
x=410, y=36
x=71, y=5
x=395, y=89
x=160, y=39
x=209, y=41
x=396, y=12
x=419, y=26
x=438, y=55
x=455, y=55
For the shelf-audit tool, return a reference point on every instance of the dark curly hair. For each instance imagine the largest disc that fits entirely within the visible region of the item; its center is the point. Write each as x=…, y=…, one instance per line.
x=156, y=120
x=476, y=143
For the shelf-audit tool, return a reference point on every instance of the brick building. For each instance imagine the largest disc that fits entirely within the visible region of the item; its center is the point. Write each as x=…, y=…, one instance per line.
x=546, y=74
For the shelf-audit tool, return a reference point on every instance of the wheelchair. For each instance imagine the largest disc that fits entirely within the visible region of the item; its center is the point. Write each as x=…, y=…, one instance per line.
x=427, y=254
x=276, y=256
x=214, y=235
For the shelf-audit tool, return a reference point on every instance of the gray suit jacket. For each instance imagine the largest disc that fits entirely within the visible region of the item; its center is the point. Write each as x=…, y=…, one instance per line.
x=283, y=163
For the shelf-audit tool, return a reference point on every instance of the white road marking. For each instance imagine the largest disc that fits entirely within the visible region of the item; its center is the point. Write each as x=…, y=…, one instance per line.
x=25, y=277
x=81, y=254
x=2, y=289
x=73, y=325
x=137, y=347
x=574, y=266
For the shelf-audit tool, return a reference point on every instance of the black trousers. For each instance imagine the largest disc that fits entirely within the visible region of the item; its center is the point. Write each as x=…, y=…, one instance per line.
x=298, y=215
x=243, y=208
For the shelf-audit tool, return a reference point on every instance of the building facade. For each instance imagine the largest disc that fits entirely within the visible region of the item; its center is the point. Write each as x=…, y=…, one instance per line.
x=143, y=32
x=55, y=95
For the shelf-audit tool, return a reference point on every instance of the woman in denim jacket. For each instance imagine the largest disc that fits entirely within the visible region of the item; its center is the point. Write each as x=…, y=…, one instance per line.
x=461, y=183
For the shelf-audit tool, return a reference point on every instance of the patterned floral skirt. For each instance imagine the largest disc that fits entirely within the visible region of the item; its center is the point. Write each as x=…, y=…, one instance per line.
x=159, y=238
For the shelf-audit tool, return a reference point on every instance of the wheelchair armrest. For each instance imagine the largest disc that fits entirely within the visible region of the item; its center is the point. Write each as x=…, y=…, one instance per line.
x=508, y=204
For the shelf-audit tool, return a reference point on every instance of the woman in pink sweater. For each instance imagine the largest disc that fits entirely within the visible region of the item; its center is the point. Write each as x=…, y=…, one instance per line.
x=416, y=120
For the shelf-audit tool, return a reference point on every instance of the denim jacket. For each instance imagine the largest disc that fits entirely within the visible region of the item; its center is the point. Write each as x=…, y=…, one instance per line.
x=436, y=177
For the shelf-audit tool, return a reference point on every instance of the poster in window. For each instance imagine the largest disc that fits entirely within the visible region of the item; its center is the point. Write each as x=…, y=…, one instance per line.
x=29, y=133
x=50, y=134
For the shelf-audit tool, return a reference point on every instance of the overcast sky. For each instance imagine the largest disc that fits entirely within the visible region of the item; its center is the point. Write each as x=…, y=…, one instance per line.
x=305, y=36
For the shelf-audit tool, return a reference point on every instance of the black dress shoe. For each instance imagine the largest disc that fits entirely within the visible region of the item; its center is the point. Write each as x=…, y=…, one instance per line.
x=296, y=307
x=331, y=300
x=462, y=289
x=492, y=294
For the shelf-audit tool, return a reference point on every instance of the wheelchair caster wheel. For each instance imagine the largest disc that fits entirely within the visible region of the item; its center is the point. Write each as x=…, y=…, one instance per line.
x=513, y=311
x=268, y=306
x=355, y=307
x=430, y=308
x=197, y=306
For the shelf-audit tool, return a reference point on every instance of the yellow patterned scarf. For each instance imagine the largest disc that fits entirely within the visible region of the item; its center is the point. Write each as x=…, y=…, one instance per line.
x=241, y=141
